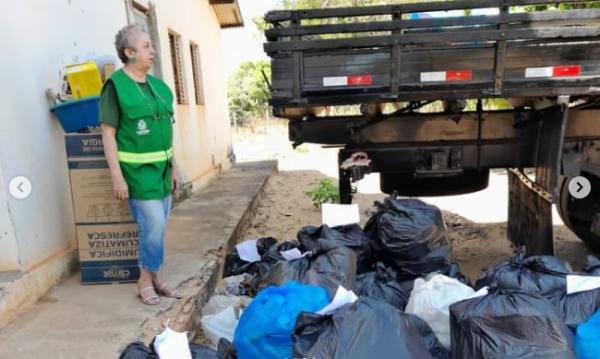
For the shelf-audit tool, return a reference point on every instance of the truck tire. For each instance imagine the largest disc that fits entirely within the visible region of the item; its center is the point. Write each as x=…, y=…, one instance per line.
x=579, y=214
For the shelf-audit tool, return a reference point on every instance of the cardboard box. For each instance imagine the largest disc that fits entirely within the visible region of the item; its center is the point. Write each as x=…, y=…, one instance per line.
x=117, y=271
x=108, y=252
x=92, y=193
x=109, y=69
x=109, y=241
x=107, y=237
x=84, y=145
x=91, y=182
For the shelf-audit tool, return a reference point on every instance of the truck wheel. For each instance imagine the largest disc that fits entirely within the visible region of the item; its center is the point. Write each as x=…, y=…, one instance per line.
x=579, y=214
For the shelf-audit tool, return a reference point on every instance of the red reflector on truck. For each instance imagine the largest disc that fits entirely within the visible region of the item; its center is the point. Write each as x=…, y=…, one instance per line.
x=459, y=75
x=352, y=80
x=356, y=80
x=553, y=71
x=559, y=71
x=441, y=76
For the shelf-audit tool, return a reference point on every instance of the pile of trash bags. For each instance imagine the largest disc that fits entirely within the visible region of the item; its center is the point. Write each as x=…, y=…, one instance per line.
x=407, y=236
x=552, y=279
x=405, y=240
x=344, y=292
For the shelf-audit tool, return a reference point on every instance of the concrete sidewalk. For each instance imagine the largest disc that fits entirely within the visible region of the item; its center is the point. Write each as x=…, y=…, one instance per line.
x=97, y=321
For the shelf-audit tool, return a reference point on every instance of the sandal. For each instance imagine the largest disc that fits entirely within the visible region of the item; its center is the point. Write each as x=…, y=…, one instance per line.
x=151, y=299
x=164, y=290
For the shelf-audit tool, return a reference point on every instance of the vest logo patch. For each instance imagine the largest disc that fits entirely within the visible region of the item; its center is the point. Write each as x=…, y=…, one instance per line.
x=142, y=128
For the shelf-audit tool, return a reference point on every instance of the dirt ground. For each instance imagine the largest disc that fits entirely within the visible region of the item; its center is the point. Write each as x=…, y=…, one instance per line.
x=476, y=223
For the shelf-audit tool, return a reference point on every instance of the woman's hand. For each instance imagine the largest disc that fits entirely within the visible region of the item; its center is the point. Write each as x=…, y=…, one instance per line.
x=120, y=188
x=174, y=180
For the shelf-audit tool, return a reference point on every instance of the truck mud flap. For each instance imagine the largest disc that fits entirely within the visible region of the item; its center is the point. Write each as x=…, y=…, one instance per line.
x=530, y=202
x=529, y=215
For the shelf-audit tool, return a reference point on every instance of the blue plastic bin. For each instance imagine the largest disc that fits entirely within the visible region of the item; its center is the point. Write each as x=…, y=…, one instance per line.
x=78, y=115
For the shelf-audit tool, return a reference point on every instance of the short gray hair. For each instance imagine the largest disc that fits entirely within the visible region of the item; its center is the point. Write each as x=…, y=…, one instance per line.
x=124, y=40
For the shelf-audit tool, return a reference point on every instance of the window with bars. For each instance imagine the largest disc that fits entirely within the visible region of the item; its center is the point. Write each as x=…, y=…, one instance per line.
x=177, y=62
x=197, y=73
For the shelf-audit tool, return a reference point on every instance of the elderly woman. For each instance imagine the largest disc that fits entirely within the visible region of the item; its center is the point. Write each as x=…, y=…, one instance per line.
x=136, y=115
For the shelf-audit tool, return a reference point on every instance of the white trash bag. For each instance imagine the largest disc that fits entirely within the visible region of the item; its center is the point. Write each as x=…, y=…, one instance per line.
x=220, y=325
x=172, y=345
x=431, y=300
x=217, y=303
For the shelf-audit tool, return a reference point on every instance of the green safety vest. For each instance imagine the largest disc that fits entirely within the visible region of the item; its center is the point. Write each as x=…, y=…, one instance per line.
x=145, y=136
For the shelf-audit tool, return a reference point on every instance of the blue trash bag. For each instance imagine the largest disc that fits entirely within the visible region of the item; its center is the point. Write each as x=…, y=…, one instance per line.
x=266, y=326
x=587, y=339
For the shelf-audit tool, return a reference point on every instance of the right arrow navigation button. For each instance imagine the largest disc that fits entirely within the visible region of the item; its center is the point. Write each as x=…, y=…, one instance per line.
x=580, y=187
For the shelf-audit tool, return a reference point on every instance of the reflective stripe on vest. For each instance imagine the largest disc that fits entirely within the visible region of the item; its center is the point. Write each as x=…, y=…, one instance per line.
x=148, y=157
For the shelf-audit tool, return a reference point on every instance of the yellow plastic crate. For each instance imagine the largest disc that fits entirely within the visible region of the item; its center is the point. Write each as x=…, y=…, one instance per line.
x=84, y=79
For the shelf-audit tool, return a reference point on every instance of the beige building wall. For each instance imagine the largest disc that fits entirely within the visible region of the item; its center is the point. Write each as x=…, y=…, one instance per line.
x=202, y=132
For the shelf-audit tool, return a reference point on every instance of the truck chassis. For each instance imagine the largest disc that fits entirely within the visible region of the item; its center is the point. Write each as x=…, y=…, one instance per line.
x=546, y=65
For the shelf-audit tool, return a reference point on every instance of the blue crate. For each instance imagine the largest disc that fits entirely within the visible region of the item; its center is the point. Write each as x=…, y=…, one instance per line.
x=78, y=115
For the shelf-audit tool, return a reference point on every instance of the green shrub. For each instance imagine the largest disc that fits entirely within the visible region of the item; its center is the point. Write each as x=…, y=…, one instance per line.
x=323, y=192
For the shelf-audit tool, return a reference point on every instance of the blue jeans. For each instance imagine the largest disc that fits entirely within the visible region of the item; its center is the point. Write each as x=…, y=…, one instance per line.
x=151, y=217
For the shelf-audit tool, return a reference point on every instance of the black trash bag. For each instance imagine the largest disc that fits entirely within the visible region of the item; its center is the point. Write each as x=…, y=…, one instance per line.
x=234, y=265
x=202, y=352
x=578, y=307
x=328, y=269
x=410, y=236
x=273, y=255
x=368, y=328
x=542, y=275
x=138, y=350
x=414, y=269
x=592, y=266
x=352, y=236
x=545, y=276
x=381, y=284
x=226, y=350
x=508, y=324
x=407, y=286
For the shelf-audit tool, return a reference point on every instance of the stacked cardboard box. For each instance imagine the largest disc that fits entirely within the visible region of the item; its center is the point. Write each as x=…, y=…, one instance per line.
x=106, y=233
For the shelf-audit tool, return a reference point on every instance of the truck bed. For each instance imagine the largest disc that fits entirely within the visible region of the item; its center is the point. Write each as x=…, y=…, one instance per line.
x=383, y=54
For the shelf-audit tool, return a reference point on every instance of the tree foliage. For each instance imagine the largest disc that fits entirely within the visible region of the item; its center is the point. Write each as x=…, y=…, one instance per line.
x=248, y=91
x=320, y=4
x=587, y=5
